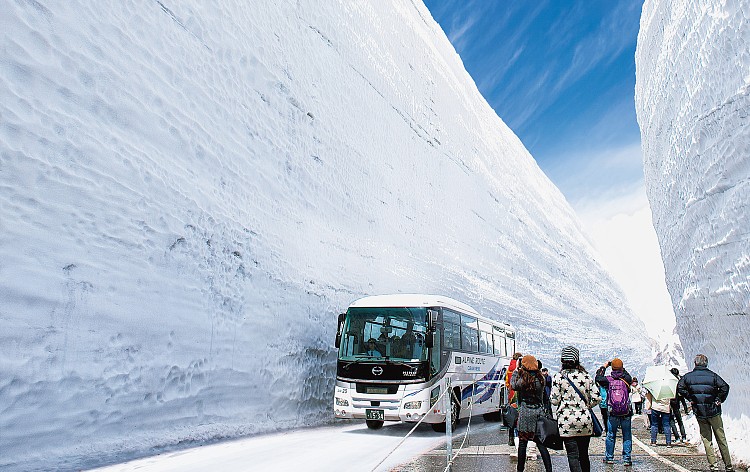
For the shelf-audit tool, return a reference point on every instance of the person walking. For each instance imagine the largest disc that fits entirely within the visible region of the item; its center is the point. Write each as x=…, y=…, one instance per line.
x=508, y=375
x=659, y=417
x=573, y=412
x=619, y=409
x=528, y=382
x=635, y=396
x=676, y=418
x=706, y=391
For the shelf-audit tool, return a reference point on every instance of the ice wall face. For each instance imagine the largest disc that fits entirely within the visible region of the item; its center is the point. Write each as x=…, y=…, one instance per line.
x=191, y=192
x=692, y=100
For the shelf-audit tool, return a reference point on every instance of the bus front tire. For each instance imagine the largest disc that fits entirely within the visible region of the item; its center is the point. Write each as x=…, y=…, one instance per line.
x=374, y=424
x=455, y=414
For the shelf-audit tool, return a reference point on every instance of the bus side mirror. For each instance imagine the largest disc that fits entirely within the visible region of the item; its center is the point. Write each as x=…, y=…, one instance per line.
x=432, y=318
x=429, y=339
x=339, y=329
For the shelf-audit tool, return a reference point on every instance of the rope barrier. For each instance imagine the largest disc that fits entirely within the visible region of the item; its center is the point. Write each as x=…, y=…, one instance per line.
x=468, y=428
x=407, y=435
x=468, y=425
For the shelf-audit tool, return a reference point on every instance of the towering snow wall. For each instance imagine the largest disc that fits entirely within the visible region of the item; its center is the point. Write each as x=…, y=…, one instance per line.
x=192, y=191
x=693, y=101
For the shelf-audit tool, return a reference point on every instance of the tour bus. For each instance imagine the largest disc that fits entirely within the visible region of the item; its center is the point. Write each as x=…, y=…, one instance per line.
x=396, y=352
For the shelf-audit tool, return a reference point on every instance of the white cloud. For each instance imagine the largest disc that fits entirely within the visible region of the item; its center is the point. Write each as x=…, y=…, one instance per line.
x=591, y=177
x=622, y=231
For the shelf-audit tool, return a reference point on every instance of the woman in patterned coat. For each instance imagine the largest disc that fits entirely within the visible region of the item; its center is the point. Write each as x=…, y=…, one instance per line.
x=572, y=412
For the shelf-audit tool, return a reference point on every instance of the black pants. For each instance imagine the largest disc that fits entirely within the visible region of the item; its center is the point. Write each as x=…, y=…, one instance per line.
x=577, y=448
x=522, y=443
x=638, y=407
x=605, y=415
x=677, y=418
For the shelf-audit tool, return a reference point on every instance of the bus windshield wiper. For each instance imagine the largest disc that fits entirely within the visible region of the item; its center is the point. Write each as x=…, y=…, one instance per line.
x=389, y=361
x=366, y=357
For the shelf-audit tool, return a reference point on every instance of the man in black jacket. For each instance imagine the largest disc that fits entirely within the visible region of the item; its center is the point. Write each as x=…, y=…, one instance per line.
x=706, y=391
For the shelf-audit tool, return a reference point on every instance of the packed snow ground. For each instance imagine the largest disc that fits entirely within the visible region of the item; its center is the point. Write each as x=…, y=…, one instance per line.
x=352, y=447
x=692, y=99
x=191, y=192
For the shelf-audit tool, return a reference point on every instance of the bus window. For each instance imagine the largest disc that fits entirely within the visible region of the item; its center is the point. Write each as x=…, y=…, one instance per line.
x=485, y=342
x=469, y=340
x=451, y=317
x=452, y=334
x=499, y=335
x=469, y=334
x=510, y=341
x=452, y=329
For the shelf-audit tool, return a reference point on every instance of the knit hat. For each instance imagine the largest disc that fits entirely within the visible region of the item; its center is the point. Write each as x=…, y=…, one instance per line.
x=616, y=364
x=529, y=362
x=569, y=353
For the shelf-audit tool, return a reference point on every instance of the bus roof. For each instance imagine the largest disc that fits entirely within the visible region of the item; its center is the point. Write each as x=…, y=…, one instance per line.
x=413, y=300
x=420, y=300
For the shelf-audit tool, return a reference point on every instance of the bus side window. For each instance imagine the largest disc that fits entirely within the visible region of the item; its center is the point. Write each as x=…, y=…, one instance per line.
x=499, y=345
x=469, y=334
x=452, y=329
x=487, y=337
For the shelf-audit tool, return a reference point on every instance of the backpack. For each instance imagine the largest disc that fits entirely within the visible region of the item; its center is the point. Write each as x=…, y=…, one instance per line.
x=603, y=394
x=618, y=397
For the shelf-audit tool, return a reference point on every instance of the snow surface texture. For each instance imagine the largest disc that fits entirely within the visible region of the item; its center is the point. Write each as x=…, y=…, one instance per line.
x=693, y=101
x=191, y=192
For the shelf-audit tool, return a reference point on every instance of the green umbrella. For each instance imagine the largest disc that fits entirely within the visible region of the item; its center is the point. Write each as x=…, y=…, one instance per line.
x=660, y=382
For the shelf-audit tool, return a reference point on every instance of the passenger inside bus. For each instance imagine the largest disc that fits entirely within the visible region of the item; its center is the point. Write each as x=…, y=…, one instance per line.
x=399, y=347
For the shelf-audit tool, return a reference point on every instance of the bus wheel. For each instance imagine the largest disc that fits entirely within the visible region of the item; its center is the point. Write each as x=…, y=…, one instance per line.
x=455, y=411
x=374, y=424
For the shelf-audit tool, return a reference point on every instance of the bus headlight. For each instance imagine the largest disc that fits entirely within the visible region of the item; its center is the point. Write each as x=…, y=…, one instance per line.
x=412, y=405
x=341, y=402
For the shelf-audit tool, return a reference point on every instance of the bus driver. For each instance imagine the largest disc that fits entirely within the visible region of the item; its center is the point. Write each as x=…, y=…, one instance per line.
x=372, y=349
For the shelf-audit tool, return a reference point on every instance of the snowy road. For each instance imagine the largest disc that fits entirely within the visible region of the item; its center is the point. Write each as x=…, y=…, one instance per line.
x=352, y=447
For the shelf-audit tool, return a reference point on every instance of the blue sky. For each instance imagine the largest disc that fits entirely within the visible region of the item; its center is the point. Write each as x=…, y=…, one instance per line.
x=561, y=75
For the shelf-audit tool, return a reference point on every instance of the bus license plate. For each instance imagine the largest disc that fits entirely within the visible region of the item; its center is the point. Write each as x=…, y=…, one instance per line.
x=375, y=415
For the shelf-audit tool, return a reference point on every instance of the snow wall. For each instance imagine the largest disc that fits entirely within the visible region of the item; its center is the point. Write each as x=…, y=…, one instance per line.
x=693, y=105
x=191, y=192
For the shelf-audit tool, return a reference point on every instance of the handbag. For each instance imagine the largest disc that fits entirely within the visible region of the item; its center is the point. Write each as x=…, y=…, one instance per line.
x=548, y=433
x=510, y=416
x=597, y=426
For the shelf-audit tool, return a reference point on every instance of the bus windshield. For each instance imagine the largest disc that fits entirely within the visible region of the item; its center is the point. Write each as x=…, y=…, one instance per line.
x=384, y=332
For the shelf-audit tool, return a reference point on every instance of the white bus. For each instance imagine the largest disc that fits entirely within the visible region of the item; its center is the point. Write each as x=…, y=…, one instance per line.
x=396, y=352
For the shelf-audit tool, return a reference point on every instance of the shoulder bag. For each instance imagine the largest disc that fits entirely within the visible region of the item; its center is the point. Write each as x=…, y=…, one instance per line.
x=597, y=425
x=548, y=433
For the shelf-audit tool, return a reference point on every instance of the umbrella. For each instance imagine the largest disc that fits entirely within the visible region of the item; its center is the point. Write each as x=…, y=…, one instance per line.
x=660, y=382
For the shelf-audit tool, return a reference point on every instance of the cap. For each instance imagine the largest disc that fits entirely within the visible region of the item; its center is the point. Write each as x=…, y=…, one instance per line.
x=569, y=353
